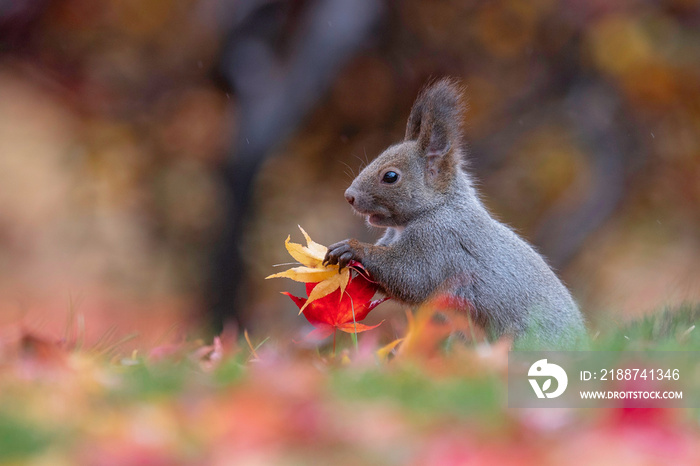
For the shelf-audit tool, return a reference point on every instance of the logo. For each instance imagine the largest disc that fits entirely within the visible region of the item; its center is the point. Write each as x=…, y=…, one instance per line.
x=542, y=368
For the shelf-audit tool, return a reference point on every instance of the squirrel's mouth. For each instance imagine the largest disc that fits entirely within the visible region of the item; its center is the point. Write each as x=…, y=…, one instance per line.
x=373, y=217
x=376, y=220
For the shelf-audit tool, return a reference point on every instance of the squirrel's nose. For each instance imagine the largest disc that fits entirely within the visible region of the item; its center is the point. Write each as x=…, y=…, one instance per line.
x=349, y=196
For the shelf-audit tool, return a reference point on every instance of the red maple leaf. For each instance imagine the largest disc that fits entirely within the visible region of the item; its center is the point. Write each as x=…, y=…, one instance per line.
x=332, y=312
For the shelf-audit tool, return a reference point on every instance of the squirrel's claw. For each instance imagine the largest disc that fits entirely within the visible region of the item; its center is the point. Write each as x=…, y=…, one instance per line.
x=339, y=253
x=344, y=260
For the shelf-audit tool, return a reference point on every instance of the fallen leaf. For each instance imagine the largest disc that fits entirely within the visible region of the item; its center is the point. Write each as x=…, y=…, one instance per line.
x=311, y=255
x=384, y=351
x=329, y=278
x=337, y=281
x=328, y=314
x=306, y=274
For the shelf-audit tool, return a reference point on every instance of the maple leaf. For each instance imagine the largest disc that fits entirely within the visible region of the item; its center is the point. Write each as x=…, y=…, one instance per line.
x=327, y=277
x=436, y=319
x=329, y=315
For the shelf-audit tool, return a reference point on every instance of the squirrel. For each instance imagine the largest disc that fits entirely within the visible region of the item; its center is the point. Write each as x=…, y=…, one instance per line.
x=441, y=239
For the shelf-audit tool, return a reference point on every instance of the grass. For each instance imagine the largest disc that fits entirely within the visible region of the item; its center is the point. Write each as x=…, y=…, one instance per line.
x=670, y=329
x=282, y=404
x=20, y=439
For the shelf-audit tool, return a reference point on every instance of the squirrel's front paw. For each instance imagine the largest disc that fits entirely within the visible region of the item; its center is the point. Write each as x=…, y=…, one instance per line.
x=343, y=253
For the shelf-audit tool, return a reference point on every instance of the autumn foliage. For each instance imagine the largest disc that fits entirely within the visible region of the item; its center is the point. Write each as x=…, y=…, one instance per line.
x=337, y=299
x=113, y=129
x=239, y=401
x=342, y=313
x=425, y=398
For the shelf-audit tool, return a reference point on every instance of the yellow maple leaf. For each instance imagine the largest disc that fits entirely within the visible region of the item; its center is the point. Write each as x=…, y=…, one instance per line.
x=312, y=270
x=384, y=351
x=328, y=286
x=306, y=274
x=311, y=255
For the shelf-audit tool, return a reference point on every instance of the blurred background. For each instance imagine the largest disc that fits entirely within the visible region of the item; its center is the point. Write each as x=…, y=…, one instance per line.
x=155, y=155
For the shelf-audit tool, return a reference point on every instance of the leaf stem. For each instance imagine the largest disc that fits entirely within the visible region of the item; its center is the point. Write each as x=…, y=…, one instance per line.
x=354, y=323
x=335, y=330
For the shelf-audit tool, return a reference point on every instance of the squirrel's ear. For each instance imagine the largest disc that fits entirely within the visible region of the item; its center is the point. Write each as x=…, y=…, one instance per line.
x=435, y=121
x=435, y=144
x=415, y=120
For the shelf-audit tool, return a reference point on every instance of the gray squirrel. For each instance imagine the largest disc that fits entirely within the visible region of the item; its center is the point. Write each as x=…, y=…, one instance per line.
x=441, y=239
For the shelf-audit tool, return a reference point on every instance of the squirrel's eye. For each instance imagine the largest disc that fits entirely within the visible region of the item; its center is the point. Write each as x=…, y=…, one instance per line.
x=390, y=177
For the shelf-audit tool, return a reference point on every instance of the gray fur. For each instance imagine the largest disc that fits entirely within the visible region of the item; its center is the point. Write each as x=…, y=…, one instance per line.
x=441, y=239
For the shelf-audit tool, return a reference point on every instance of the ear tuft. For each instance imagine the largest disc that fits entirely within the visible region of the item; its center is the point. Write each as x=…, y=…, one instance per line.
x=435, y=124
x=436, y=117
